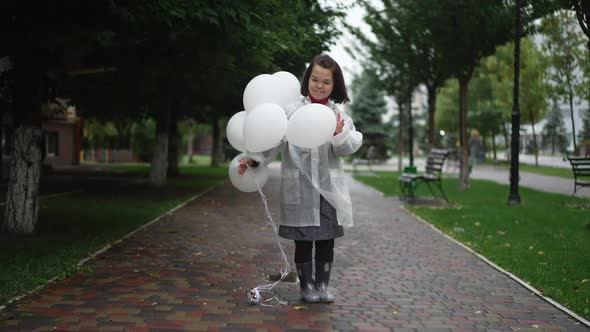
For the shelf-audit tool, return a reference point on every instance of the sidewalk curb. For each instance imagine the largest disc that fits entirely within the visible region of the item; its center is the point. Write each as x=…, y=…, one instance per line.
x=498, y=268
x=110, y=245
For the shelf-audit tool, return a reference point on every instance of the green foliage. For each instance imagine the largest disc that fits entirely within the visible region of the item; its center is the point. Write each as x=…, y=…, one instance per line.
x=73, y=226
x=368, y=107
x=143, y=138
x=534, y=240
x=99, y=134
x=585, y=132
x=564, y=45
x=554, y=133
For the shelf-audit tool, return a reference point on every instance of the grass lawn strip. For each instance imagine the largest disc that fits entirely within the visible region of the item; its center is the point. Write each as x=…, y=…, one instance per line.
x=543, y=241
x=73, y=227
x=495, y=266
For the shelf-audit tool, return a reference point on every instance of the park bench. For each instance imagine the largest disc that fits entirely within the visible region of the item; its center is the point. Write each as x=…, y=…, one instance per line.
x=432, y=176
x=581, y=169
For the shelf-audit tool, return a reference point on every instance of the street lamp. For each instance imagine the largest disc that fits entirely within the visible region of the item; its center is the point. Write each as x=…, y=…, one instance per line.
x=514, y=197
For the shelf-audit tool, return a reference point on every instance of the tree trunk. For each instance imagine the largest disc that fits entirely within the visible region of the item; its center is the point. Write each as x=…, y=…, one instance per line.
x=410, y=131
x=2, y=147
x=571, y=100
x=22, y=198
x=217, y=151
x=535, y=146
x=431, y=113
x=173, y=145
x=464, y=169
x=189, y=147
x=160, y=156
x=400, y=142
x=494, y=145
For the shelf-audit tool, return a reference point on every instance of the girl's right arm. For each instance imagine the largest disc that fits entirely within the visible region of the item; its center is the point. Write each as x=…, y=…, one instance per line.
x=259, y=158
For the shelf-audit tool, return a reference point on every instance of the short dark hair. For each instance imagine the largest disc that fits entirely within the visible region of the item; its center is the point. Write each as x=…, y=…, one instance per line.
x=339, y=94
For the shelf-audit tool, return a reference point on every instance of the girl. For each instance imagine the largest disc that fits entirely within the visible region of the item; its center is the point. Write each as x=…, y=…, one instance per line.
x=315, y=202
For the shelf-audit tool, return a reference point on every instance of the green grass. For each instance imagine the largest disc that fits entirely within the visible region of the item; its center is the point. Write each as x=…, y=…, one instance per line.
x=543, y=170
x=544, y=241
x=71, y=227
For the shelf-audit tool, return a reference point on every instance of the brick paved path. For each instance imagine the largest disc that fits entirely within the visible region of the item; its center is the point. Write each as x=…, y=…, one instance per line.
x=189, y=272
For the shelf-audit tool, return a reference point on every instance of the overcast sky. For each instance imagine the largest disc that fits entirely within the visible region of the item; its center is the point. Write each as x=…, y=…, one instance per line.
x=349, y=65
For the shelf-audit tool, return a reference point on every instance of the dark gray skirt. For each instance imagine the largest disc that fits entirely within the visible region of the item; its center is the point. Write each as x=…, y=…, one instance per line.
x=327, y=230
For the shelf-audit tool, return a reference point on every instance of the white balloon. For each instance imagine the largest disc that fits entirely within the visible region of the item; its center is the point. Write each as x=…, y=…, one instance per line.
x=265, y=127
x=311, y=126
x=288, y=87
x=281, y=88
x=257, y=91
x=247, y=182
x=235, y=131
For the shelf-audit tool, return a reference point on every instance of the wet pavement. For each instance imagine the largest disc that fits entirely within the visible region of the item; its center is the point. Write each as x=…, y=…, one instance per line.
x=190, y=272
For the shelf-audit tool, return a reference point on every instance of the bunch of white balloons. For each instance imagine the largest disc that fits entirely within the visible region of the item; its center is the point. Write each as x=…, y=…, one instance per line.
x=264, y=123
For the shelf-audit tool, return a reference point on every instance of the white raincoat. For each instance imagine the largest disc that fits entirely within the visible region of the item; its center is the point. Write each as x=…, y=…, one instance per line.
x=307, y=173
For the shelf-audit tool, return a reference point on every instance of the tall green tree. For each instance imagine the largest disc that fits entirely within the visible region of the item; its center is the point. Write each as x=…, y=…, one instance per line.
x=402, y=26
x=563, y=44
x=368, y=108
x=466, y=31
x=34, y=38
x=553, y=135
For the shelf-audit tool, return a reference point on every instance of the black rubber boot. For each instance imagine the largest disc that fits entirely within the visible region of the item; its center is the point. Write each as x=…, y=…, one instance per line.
x=305, y=274
x=322, y=279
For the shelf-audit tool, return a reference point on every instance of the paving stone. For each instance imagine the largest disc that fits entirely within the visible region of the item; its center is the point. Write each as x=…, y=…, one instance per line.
x=191, y=272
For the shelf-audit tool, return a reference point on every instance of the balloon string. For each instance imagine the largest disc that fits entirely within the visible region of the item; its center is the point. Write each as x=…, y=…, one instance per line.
x=287, y=267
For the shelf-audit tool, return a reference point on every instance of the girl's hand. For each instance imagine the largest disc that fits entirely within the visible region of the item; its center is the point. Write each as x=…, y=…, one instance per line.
x=339, y=125
x=244, y=163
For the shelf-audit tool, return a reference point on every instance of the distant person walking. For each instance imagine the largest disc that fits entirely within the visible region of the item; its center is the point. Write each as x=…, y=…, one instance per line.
x=475, y=148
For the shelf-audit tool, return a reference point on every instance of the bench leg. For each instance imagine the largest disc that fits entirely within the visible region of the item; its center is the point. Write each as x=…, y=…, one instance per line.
x=431, y=191
x=439, y=184
x=573, y=194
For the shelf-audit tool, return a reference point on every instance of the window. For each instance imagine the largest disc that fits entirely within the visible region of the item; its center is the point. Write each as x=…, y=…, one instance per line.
x=52, y=143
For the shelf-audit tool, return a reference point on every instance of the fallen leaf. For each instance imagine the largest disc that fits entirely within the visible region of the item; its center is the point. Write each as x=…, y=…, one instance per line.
x=584, y=280
x=394, y=312
x=299, y=307
x=541, y=253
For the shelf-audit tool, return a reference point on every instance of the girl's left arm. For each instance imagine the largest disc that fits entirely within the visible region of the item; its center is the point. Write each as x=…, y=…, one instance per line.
x=349, y=140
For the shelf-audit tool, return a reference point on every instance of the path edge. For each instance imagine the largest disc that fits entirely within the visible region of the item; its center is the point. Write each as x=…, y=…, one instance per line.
x=108, y=246
x=500, y=269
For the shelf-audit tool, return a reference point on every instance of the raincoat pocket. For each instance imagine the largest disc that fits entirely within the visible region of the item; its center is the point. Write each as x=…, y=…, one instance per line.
x=291, y=191
x=338, y=181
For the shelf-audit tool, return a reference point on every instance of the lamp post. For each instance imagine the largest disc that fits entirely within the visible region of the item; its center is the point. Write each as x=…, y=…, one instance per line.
x=514, y=197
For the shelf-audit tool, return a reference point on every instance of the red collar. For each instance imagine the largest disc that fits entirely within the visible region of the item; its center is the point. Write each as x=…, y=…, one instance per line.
x=319, y=101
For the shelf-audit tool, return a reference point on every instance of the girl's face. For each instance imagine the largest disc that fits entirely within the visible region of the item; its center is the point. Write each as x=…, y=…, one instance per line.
x=321, y=82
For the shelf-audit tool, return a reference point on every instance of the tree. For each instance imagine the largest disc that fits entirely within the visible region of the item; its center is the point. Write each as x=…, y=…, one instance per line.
x=392, y=58
x=467, y=31
x=563, y=44
x=147, y=58
x=34, y=39
x=368, y=107
x=553, y=134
